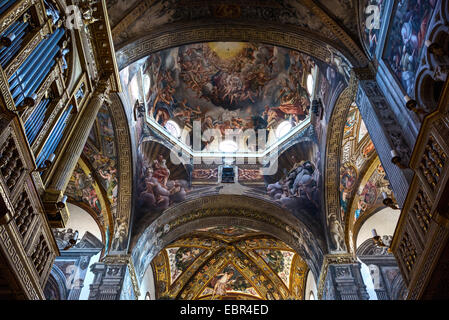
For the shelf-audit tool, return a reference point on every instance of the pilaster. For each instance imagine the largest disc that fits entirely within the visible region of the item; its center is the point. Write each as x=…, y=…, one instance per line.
x=341, y=279
x=110, y=277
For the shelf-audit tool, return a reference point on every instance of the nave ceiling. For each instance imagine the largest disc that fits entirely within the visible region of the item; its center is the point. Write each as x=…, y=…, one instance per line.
x=227, y=84
x=220, y=263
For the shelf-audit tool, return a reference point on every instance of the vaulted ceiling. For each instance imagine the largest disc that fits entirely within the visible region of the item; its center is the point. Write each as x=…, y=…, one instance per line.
x=220, y=263
x=324, y=22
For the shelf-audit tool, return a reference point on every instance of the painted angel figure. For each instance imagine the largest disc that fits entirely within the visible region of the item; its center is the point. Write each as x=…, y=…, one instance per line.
x=222, y=283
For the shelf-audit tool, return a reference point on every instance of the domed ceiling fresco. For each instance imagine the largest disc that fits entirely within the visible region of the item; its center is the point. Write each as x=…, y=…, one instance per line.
x=221, y=263
x=226, y=89
x=224, y=86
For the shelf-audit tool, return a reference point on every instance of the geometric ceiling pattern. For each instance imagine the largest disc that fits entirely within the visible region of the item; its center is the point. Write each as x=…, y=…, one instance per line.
x=229, y=263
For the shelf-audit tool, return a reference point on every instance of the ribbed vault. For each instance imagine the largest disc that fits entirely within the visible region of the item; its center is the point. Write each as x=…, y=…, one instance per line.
x=229, y=263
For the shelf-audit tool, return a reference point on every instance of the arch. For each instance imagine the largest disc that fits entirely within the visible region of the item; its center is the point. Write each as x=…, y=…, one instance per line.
x=353, y=223
x=244, y=252
x=124, y=164
x=227, y=210
x=382, y=219
x=56, y=283
x=94, y=216
x=332, y=165
x=87, y=168
x=176, y=35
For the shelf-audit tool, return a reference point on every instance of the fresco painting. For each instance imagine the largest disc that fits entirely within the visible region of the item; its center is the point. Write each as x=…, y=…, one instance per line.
x=367, y=198
x=348, y=179
x=156, y=190
x=298, y=188
x=225, y=85
x=105, y=161
x=82, y=188
x=299, y=274
x=351, y=123
x=406, y=40
x=180, y=258
x=243, y=265
x=370, y=194
x=368, y=150
x=228, y=281
x=279, y=261
x=164, y=12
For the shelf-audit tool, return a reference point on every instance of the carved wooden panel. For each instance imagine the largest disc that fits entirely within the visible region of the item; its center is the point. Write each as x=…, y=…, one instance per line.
x=26, y=240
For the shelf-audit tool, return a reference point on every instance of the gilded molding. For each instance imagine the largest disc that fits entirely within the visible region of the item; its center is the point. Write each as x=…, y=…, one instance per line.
x=354, y=49
x=184, y=33
x=6, y=100
x=15, y=12
x=131, y=17
x=333, y=150
x=123, y=140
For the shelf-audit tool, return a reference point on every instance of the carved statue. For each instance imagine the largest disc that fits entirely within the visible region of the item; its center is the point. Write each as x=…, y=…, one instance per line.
x=120, y=234
x=337, y=232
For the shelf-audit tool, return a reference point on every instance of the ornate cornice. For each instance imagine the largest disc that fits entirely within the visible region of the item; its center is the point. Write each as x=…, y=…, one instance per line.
x=131, y=17
x=341, y=34
x=332, y=259
x=124, y=260
x=178, y=34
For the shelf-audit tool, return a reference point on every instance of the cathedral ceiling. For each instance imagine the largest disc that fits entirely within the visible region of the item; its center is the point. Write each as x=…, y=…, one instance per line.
x=228, y=86
x=149, y=15
x=220, y=263
x=225, y=85
x=317, y=23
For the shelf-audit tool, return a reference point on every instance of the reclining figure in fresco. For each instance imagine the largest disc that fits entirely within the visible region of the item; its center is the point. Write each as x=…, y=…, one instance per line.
x=299, y=189
x=157, y=191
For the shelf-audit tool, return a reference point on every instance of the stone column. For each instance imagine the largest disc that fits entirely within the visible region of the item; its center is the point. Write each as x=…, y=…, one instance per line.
x=341, y=279
x=60, y=175
x=112, y=276
x=108, y=281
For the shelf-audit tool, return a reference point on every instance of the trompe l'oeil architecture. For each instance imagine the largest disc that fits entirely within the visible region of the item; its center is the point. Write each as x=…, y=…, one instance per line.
x=224, y=150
